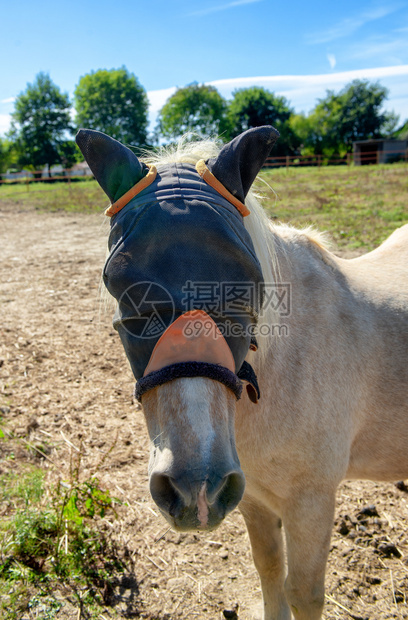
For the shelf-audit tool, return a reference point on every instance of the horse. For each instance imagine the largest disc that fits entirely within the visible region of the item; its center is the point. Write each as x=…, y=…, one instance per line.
x=322, y=351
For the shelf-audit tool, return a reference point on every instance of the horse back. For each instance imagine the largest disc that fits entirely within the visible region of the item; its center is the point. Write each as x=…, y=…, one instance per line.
x=379, y=283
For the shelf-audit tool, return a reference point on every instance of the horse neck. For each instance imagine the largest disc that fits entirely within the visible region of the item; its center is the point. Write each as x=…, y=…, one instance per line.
x=296, y=357
x=310, y=275
x=340, y=314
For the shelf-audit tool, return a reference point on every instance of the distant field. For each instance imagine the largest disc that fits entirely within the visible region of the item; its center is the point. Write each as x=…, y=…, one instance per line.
x=83, y=196
x=358, y=206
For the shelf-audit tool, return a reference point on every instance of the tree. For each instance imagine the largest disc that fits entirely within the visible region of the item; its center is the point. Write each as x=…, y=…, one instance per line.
x=70, y=153
x=114, y=102
x=315, y=134
x=355, y=113
x=401, y=133
x=256, y=106
x=8, y=156
x=40, y=123
x=3, y=160
x=195, y=108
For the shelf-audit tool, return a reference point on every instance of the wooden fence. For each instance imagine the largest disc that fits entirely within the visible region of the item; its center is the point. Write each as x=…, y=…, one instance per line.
x=69, y=175
x=26, y=177
x=357, y=159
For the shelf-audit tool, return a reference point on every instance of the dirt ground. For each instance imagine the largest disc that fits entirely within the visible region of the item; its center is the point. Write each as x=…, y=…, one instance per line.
x=64, y=380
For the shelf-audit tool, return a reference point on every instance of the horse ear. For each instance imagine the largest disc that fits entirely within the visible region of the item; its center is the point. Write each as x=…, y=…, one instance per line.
x=113, y=165
x=240, y=160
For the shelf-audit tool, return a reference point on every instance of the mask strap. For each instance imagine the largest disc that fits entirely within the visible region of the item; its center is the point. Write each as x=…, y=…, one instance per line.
x=247, y=373
x=206, y=174
x=189, y=369
x=134, y=191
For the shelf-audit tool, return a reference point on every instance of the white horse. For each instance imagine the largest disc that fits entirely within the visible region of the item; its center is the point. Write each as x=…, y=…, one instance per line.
x=334, y=403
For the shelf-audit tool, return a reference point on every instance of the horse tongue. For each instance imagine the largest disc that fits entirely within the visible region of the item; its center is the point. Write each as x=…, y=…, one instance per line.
x=193, y=337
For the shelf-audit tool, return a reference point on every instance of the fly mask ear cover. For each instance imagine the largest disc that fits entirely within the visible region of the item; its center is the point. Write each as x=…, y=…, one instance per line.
x=178, y=246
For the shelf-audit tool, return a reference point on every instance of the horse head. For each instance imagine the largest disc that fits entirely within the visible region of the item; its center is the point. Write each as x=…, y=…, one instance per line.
x=188, y=283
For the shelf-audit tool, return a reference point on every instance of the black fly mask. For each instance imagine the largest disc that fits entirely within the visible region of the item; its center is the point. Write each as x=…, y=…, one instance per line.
x=182, y=265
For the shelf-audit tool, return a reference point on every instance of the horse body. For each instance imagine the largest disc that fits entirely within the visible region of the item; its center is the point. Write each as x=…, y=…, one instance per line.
x=335, y=406
x=342, y=369
x=334, y=399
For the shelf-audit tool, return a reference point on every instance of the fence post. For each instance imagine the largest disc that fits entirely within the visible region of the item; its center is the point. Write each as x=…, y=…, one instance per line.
x=319, y=161
x=27, y=183
x=287, y=162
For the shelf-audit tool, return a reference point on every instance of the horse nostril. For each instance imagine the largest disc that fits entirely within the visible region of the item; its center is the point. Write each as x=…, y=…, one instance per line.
x=164, y=493
x=191, y=503
x=229, y=492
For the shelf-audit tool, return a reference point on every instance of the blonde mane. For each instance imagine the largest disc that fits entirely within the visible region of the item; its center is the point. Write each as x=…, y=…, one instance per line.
x=316, y=237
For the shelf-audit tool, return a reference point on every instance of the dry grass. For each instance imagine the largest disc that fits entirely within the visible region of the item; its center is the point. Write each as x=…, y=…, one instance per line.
x=359, y=206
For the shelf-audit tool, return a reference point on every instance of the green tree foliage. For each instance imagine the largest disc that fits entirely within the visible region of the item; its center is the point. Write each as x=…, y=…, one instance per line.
x=40, y=123
x=314, y=133
x=338, y=120
x=8, y=155
x=253, y=107
x=70, y=153
x=401, y=133
x=113, y=102
x=3, y=161
x=195, y=108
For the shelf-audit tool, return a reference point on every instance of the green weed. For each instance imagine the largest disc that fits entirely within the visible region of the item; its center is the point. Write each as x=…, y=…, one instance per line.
x=46, y=605
x=51, y=537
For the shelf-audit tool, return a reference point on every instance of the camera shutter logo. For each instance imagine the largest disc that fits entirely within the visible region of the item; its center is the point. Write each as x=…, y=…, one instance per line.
x=152, y=309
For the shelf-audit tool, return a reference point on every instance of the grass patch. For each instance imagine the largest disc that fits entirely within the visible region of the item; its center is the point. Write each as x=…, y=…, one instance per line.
x=54, y=545
x=83, y=197
x=360, y=206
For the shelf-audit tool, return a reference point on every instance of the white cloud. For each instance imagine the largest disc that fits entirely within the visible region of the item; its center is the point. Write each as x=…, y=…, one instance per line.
x=223, y=7
x=332, y=60
x=302, y=91
x=389, y=51
x=317, y=80
x=9, y=100
x=349, y=25
x=5, y=120
x=157, y=99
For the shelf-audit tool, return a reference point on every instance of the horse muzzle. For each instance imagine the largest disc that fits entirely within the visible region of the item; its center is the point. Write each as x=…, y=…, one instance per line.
x=190, y=504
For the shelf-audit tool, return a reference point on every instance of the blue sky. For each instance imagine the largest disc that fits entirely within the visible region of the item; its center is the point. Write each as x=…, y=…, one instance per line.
x=295, y=48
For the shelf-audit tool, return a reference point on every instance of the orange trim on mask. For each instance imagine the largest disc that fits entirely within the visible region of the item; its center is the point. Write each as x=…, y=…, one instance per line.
x=209, y=178
x=204, y=173
x=136, y=189
x=194, y=336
